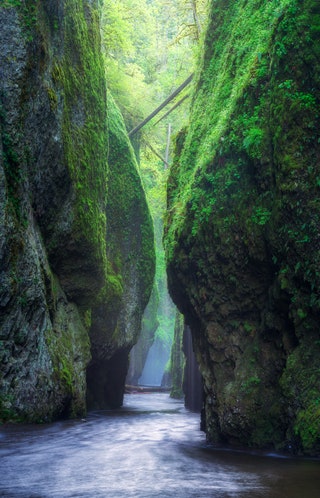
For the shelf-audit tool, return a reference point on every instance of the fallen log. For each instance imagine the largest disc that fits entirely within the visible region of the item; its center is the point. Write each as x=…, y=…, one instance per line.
x=146, y=389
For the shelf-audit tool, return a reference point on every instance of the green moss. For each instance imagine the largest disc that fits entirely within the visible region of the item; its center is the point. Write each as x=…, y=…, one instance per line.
x=248, y=327
x=224, y=143
x=53, y=99
x=241, y=233
x=130, y=234
x=80, y=76
x=177, y=358
x=248, y=139
x=307, y=426
x=62, y=345
x=7, y=412
x=11, y=3
x=27, y=11
x=300, y=383
x=66, y=375
x=69, y=348
x=97, y=261
x=249, y=385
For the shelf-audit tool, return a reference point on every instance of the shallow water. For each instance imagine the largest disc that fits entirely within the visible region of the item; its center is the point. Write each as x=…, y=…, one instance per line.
x=152, y=447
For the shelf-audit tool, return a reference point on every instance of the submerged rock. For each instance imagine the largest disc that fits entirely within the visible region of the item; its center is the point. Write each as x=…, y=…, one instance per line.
x=60, y=260
x=242, y=239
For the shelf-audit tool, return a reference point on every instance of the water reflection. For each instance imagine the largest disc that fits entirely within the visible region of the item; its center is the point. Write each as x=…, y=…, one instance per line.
x=150, y=448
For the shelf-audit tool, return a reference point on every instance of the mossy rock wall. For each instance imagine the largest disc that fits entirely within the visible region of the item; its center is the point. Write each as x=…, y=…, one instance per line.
x=242, y=239
x=55, y=267
x=177, y=358
x=116, y=321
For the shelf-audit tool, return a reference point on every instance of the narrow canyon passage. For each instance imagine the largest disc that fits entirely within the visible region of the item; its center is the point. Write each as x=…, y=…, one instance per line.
x=113, y=243
x=152, y=447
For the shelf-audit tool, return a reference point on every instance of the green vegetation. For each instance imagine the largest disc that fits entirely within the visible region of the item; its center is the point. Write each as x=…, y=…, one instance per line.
x=7, y=412
x=177, y=360
x=27, y=9
x=250, y=384
x=130, y=236
x=80, y=75
x=68, y=342
x=229, y=151
x=148, y=53
x=87, y=172
x=300, y=383
x=11, y=3
x=241, y=230
x=222, y=77
x=242, y=224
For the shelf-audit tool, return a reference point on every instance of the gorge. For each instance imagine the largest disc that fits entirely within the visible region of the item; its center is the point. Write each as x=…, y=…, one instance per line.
x=77, y=255
x=241, y=228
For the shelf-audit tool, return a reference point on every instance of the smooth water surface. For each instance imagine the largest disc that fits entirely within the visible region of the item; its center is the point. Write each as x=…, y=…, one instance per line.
x=152, y=447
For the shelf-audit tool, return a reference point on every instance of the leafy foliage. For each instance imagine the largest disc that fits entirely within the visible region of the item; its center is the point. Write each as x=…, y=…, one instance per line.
x=149, y=51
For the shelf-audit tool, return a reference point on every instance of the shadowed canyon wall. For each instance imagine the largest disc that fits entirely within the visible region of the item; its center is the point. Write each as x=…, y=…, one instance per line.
x=76, y=238
x=242, y=230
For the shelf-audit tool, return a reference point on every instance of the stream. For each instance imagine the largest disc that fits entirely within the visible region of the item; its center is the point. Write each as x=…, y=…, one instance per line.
x=151, y=447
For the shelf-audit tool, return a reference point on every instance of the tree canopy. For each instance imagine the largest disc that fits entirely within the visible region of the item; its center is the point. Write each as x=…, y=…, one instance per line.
x=149, y=48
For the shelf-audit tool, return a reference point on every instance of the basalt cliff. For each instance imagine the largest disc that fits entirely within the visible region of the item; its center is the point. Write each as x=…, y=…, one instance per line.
x=242, y=230
x=76, y=237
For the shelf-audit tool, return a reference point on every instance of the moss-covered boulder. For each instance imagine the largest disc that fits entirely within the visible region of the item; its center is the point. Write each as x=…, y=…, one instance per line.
x=242, y=238
x=57, y=263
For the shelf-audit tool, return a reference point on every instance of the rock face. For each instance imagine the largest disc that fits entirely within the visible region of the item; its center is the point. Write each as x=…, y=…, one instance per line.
x=177, y=359
x=242, y=233
x=61, y=264
x=116, y=321
x=192, y=380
